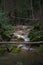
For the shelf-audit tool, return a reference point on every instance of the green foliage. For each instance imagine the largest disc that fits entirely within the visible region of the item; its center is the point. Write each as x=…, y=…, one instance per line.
x=36, y=27
x=16, y=50
x=2, y=50
x=5, y=28
x=40, y=49
x=3, y=19
x=35, y=34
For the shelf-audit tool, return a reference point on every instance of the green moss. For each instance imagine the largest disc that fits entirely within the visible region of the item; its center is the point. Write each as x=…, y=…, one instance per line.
x=16, y=50
x=20, y=39
x=2, y=50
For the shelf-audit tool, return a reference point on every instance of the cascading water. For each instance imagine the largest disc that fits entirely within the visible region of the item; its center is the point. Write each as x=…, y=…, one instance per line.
x=18, y=34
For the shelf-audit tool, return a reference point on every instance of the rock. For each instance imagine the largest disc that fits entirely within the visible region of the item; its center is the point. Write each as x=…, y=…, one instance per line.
x=20, y=45
x=33, y=49
x=25, y=48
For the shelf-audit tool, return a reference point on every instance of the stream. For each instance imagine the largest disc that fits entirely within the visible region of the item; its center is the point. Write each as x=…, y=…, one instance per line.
x=27, y=48
x=22, y=31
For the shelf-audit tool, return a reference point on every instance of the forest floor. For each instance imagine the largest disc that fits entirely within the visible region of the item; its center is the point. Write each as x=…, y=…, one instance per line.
x=22, y=58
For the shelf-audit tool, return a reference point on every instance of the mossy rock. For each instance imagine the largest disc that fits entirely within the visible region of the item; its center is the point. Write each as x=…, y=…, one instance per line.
x=20, y=39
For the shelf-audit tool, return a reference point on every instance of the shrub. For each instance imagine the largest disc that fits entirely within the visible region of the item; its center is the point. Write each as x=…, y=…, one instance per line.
x=40, y=49
x=35, y=34
x=36, y=27
x=2, y=50
x=5, y=28
x=16, y=50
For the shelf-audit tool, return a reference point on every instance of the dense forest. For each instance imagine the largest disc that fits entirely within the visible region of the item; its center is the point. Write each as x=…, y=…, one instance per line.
x=21, y=12
x=21, y=22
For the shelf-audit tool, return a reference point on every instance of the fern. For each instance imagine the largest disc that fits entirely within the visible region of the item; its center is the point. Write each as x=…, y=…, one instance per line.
x=5, y=27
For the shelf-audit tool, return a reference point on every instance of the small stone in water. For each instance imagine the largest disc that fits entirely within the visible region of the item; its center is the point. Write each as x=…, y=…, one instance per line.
x=20, y=45
x=25, y=48
x=27, y=39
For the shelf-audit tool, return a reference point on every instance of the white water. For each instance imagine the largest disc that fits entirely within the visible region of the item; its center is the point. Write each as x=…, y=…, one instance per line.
x=22, y=36
x=25, y=37
x=23, y=47
x=20, y=45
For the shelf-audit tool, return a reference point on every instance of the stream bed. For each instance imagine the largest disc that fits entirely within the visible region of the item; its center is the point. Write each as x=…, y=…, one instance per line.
x=27, y=55
x=22, y=32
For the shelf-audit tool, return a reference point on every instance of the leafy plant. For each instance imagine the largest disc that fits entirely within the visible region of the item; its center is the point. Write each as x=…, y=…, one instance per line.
x=40, y=49
x=36, y=27
x=5, y=28
x=35, y=34
x=2, y=50
x=16, y=50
